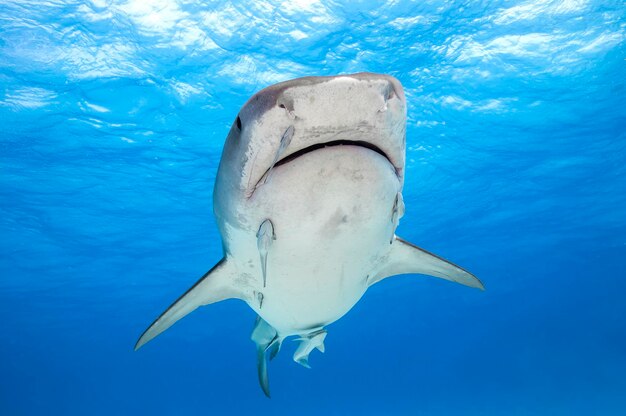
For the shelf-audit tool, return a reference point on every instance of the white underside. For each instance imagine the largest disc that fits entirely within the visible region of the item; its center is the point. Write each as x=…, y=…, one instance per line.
x=331, y=211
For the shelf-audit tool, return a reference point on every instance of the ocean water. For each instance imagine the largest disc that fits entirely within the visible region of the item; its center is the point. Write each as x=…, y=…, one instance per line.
x=112, y=119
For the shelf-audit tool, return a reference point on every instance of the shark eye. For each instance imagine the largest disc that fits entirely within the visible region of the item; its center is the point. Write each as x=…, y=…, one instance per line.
x=238, y=122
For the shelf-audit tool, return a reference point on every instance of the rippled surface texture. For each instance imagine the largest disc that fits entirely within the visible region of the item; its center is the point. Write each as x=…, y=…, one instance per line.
x=112, y=119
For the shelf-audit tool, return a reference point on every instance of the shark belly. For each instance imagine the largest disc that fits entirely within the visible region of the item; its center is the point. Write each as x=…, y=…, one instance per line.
x=331, y=210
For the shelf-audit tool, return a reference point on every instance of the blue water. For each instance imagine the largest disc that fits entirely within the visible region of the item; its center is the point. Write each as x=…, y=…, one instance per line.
x=112, y=119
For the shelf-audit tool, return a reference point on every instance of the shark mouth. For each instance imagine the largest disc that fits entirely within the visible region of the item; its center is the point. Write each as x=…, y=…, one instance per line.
x=286, y=139
x=333, y=143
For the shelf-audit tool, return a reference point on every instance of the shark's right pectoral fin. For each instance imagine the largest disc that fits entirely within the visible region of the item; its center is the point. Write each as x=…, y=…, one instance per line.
x=216, y=285
x=406, y=258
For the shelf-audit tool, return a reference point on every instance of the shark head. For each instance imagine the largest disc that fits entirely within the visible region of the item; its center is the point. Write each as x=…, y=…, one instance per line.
x=287, y=120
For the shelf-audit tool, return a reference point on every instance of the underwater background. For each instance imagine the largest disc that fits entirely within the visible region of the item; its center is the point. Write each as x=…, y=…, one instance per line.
x=112, y=119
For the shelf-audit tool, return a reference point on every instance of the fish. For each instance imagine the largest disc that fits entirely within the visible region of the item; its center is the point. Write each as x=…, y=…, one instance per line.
x=307, y=199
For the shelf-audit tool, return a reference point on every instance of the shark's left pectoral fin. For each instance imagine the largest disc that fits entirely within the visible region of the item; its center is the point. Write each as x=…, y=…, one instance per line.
x=406, y=258
x=216, y=285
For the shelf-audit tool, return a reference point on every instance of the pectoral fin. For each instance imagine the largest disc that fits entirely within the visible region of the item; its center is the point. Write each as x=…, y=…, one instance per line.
x=216, y=285
x=406, y=258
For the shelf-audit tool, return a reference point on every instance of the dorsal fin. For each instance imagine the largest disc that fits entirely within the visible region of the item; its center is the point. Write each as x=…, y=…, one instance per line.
x=216, y=285
x=406, y=258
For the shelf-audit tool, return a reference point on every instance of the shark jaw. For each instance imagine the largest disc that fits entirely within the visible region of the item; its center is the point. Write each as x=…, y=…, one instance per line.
x=317, y=146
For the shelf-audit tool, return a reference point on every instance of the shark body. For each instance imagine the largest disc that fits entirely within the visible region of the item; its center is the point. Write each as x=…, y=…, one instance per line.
x=307, y=199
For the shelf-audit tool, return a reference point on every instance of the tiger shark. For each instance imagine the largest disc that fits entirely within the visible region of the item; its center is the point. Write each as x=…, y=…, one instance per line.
x=307, y=198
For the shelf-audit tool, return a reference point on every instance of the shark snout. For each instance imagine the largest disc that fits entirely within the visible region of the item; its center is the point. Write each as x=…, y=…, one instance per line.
x=321, y=96
x=388, y=87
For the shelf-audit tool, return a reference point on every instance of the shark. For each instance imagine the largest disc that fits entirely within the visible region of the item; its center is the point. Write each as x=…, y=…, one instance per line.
x=307, y=200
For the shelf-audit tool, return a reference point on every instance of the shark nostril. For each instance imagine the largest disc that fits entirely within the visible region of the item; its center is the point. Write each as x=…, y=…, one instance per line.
x=288, y=107
x=238, y=121
x=388, y=95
